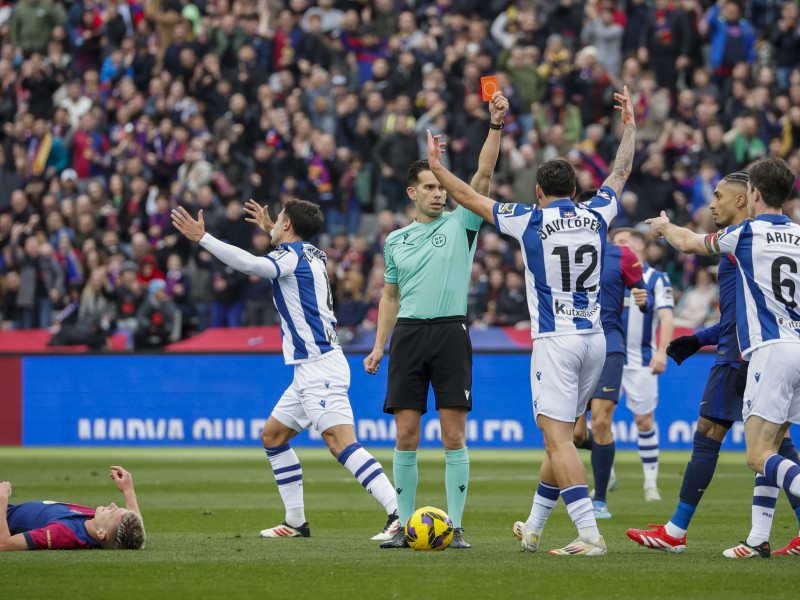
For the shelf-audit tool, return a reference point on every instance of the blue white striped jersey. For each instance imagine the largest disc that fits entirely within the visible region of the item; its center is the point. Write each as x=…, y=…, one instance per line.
x=304, y=300
x=767, y=251
x=302, y=293
x=562, y=247
x=641, y=328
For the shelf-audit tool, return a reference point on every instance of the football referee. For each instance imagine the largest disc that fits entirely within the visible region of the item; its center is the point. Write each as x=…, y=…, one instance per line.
x=428, y=267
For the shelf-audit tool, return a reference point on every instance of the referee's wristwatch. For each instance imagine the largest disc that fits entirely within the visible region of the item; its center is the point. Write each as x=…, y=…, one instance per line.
x=495, y=126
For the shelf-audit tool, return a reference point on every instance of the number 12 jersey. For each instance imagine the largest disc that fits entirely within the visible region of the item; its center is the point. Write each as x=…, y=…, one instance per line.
x=562, y=247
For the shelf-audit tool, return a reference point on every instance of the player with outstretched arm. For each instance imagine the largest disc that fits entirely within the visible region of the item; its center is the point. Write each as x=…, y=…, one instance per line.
x=317, y=396
x=766, y=250
x=562, y=245
x=721, y=405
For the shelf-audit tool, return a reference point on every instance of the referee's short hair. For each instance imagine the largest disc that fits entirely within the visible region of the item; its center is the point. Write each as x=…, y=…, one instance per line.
x=417, y=167
x=306, y=218
x=557, y=179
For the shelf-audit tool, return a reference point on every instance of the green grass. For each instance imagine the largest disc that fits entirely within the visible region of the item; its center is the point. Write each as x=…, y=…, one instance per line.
x=203, y=510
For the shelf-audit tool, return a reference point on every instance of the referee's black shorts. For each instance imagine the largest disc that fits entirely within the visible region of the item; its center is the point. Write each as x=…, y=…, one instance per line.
x=427, y=352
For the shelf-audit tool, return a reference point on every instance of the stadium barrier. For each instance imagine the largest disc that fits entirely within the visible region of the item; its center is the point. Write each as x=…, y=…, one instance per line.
x=224, y=400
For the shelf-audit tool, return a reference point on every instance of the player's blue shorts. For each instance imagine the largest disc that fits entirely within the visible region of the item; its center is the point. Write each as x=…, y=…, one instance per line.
x=720, y=400
x=611, y=377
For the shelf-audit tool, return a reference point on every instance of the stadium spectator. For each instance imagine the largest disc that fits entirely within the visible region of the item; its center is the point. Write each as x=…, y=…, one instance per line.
x=698, y=302
x=156, y=317
x=116, y=103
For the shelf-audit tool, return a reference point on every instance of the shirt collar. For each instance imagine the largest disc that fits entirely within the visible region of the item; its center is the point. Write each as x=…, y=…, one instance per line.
x=562, y=203
x=774, y=219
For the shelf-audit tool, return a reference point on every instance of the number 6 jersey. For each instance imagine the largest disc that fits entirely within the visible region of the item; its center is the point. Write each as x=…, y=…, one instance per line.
x=767, y=251
x=562, y=246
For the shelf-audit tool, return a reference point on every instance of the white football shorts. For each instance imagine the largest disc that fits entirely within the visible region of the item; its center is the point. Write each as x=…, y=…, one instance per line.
x=565, y=370
x=773, y=383
x=640, y=387
x=318, y=395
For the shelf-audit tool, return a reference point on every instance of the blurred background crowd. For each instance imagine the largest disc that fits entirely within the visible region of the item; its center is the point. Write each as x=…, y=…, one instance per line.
x=114, y=112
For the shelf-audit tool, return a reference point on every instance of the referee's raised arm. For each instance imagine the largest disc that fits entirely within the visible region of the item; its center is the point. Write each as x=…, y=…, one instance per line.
x=482, y=180
x=460, y=192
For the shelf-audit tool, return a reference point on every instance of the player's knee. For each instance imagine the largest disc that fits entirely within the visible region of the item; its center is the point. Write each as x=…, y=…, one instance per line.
x=270, y=439
x=579, y=437
x=453, y=440
x=710, y=429
x=407, y=439
x=755, y=461
x=601, y=426
x=645, y=422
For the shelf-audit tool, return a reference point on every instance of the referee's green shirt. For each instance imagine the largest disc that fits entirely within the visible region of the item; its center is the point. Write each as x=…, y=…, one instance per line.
x=431, y=264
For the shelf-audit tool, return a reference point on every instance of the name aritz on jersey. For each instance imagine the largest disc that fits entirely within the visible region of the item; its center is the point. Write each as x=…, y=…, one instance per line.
x=576, y=223
x=788, y=323
x=560, y=308
x=785, y=238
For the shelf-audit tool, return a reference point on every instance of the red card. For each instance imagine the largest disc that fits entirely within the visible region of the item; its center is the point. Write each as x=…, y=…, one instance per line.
x=488, y=86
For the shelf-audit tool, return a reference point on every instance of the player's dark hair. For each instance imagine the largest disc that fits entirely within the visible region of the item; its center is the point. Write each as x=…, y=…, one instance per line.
x=417, y=167
x=306, y=218
x=738, y=177
x=633, y=233
x=584, y=196
x=556, y=178
x=130, y=533
x=774, y=179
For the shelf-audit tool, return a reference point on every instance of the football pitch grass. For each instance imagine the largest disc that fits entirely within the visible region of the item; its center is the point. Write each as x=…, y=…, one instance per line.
x=203, y=510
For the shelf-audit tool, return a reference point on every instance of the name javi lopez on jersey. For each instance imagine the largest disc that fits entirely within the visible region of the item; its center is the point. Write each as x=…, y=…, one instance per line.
x=581, y=222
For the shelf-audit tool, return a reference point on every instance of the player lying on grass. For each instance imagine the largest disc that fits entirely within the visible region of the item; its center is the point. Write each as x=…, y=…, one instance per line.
x=721, y=405
x=48, y=525
x=317, y=396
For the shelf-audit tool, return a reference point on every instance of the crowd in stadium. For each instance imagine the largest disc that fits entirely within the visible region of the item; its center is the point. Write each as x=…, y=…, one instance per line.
x=114, y=112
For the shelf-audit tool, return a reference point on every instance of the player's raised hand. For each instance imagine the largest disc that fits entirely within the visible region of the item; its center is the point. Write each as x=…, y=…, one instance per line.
x=191, y=228
x=625, y=106
x=5, y=490
x=258, y=216
x=657, y=224
x=498, y=107
x=122, y=478
x=373, y=362
x=436, y=147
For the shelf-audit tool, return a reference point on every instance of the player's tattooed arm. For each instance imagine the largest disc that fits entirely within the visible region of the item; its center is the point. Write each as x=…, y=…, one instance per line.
x=623, y=163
